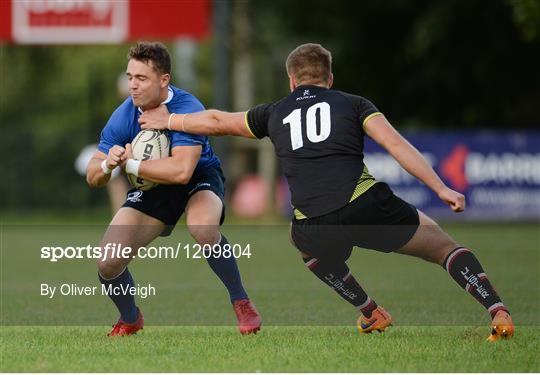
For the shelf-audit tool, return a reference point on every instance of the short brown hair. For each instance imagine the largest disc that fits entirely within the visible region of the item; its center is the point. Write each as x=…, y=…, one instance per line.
x=152, y=51
x=310, y=62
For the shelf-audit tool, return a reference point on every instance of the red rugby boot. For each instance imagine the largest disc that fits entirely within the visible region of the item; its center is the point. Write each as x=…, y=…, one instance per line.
x=249, y=320
x=122, y=328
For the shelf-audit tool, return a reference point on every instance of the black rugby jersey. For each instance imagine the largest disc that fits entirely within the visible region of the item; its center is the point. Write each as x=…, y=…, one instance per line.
x=318, y=138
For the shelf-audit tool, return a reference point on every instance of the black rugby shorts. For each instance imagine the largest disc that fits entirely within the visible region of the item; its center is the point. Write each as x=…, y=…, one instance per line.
x=376, y=220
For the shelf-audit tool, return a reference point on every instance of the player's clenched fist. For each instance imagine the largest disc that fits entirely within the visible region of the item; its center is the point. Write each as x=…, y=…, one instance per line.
x=455, y=200
x=116, y=156
x=128, y=154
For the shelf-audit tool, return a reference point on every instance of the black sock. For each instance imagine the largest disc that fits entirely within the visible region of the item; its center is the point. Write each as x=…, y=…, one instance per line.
x=124, y=302
x=338, y=276
x=463, y=266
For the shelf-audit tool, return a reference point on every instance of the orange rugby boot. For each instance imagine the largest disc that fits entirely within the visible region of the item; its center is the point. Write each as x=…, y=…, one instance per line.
x=502, y=326
x=379, y=321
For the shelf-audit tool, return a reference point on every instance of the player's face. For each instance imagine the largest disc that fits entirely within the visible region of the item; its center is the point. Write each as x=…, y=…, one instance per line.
x=145, y=84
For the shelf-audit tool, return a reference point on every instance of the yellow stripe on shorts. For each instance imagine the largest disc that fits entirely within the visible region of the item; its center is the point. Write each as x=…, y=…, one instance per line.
x=365, y=182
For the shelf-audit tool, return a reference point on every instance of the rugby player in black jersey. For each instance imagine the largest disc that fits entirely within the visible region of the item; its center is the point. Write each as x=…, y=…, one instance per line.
x=318, y=134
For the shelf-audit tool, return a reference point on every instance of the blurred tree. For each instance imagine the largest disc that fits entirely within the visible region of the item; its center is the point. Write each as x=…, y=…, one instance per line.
x=527, y=18
x=54, y=101
x=439, y=63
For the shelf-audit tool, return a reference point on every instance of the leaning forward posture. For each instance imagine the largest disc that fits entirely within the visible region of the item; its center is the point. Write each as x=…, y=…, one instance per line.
x=318, y=135
x=191, y=181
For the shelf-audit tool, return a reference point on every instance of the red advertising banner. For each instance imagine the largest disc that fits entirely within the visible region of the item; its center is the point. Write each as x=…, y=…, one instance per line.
x=103, y=21
x=5, y=20
x=167, y=19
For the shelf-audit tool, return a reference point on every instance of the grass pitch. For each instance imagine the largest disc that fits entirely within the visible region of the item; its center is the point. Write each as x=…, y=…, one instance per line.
x=190, y=324
x=275, y=349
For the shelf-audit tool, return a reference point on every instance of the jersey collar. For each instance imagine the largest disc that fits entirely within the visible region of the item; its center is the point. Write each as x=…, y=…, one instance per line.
x=316, y=87
x=170, y=95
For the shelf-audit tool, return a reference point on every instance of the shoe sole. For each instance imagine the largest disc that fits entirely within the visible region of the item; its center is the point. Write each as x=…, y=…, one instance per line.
x=378, y=329
x=250, y=331
x=129, y=334
x=497, y=335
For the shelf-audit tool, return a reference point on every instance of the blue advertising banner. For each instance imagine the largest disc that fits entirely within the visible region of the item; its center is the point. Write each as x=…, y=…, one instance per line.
x=499, y=173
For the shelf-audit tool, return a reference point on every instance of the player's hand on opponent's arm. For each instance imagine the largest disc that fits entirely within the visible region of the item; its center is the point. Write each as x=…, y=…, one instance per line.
x=100, y=167
x=157, y=118
x=455, y=200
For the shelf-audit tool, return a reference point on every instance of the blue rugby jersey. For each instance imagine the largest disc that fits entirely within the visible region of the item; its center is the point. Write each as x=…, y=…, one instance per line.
x=123, y=126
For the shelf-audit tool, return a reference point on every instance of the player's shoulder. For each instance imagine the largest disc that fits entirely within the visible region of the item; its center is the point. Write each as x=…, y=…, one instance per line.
x=268, y=107
x=258, y=117
x=353, y=98
x=127, y=106
x=182, y=99
x=361, y=104
x=179, y=94
x=123, y=112
x=263, y=112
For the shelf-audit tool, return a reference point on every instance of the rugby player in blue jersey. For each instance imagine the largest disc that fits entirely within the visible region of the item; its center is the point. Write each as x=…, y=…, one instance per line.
x=190, y=180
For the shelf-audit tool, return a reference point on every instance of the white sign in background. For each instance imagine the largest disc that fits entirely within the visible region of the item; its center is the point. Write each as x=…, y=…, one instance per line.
x=70, y=21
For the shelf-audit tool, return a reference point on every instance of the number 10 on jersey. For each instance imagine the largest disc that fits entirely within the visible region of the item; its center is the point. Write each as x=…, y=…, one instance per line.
x=294, y=119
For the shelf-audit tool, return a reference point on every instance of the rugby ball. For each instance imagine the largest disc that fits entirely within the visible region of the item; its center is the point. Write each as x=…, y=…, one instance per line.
x=149, y=144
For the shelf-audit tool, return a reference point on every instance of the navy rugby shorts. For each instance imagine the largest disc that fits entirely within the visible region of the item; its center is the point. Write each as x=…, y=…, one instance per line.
x=167, y=203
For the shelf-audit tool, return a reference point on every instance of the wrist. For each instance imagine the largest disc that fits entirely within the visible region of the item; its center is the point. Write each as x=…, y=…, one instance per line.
x=183, y=122
x=105, y=168
x=132, y=167
x=169, y=122
x=440, y=189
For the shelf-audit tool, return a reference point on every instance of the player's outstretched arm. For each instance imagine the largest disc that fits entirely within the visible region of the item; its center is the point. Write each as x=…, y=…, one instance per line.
x=380, y=130
x=209, y=122
x=98, y=171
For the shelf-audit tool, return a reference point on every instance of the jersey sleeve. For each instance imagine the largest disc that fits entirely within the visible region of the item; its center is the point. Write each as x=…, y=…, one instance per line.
x=363, y=107
x=187, y=103
x=115, y=132
x=257, y=120
x=366, y=110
